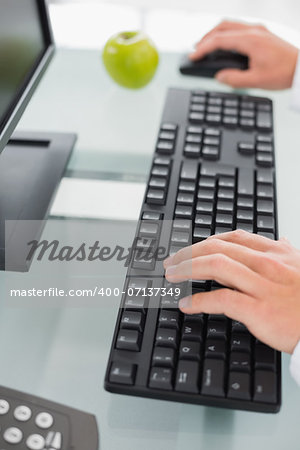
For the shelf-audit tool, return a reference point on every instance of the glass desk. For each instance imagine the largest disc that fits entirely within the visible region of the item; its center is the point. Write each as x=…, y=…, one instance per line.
x=60, y=352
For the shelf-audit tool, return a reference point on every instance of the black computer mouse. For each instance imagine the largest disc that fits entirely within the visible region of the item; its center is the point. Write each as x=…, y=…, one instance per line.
x=213, y=62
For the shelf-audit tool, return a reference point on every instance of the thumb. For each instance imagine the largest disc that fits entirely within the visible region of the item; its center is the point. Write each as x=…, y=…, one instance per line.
x=236, y=78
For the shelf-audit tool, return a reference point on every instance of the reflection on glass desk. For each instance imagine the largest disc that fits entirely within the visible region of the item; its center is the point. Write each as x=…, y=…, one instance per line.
x=61, y=352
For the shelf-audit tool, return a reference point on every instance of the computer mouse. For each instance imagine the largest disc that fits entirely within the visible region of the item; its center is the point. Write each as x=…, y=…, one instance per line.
x=213, y=62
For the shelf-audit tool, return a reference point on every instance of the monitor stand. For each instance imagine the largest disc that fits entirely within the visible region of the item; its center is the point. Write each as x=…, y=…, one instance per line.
x=31, y=167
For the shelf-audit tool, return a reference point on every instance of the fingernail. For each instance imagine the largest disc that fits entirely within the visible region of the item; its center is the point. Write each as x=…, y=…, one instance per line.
x=171, y=270
x=185, y=302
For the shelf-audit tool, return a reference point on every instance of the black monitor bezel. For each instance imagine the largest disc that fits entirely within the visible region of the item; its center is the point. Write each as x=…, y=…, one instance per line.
x=16, y=109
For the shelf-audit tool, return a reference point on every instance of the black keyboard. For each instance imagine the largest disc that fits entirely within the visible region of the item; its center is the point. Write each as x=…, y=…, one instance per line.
x=212, y=172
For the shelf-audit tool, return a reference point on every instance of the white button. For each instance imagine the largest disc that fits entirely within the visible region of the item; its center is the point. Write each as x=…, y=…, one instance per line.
x=13, y=435
x=4, y=407
x=22, y=413
x=35, y=442
x=56, y=442
x=44, y=420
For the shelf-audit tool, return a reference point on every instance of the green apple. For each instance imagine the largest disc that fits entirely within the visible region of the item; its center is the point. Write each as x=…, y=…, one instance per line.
x=130, y=59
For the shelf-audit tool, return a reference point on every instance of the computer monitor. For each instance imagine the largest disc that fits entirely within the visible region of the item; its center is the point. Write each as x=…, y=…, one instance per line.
x=31, y=164
x=26, y=48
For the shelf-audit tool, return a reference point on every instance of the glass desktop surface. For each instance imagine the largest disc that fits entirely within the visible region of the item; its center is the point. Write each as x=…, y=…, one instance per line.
x=61, y=352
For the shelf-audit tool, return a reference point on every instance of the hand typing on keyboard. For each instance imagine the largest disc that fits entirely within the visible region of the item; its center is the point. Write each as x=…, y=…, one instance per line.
x=272, y=61
x=263, y=277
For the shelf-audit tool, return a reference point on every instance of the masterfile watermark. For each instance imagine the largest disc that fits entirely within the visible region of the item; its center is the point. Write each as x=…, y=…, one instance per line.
x=141, y=250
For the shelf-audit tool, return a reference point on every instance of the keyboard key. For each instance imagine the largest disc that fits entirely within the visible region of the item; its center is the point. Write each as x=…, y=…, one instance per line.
x=240, y=361
x=225, y=194
x=264, y=176
x=224, y=219
x=238, y=327
x=151, y=215
x=210, y=140
x=266, y=223
x=192, y=150
x=245, y=104
x=264, y=121
x=190, y=350
x=207, y=182
x=196, y=117
x=192, y=331
x=129, y=340
x=167, y=135
x=206, y=194
x=265, y=389
x=163, y=356
x=149, y=228
x=264, y=159
x=185, y=199
x=245, y=203
x=239, y=386
x=133, y=320
x=203, y=220
x=212, y=132
x=230, y=121
x=246, y=113
x=230, y=112
x=182, y=224
x=265, y=148
x=264, y=107
x=166, y=337
x=210, y=152
x=265, y=139
x=214, y=109
x=213, y=377
x=197, y=107
x=187, y=186
x=186, y=212
x=169, y=319
x=161, y=378
x=200, y=234
x=204, y=207
x=225, y=206
x=215, y=348
x=245, y=182
x=211, y=169
x=138, y=283
x=156, y=197
x=169, y=127
x=160, y=171
x=265, y=207
x=265, y=192
x=193, y=138
x=245, y=226
x=192, y=129
x=136, y=302
x=227, y=182
x=246, y=148
x=166, y=147
x=123, y=373
x=158, y=182
x=187, y=377
x=180, y=237
x=216, y=329
x=248, y=124
x=189, y=171
x=162, y=161
x=243, y=215
x=241, y=342
x=265, y=357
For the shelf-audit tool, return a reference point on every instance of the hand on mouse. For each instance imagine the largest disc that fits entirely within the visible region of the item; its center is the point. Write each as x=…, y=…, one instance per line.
x=272, y=61
x=264, y=277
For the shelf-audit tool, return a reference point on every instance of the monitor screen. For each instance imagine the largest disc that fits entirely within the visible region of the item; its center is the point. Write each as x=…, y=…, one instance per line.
x=22, y=45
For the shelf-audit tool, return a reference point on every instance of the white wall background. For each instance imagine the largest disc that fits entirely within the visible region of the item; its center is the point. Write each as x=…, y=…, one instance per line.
x=172, y=24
